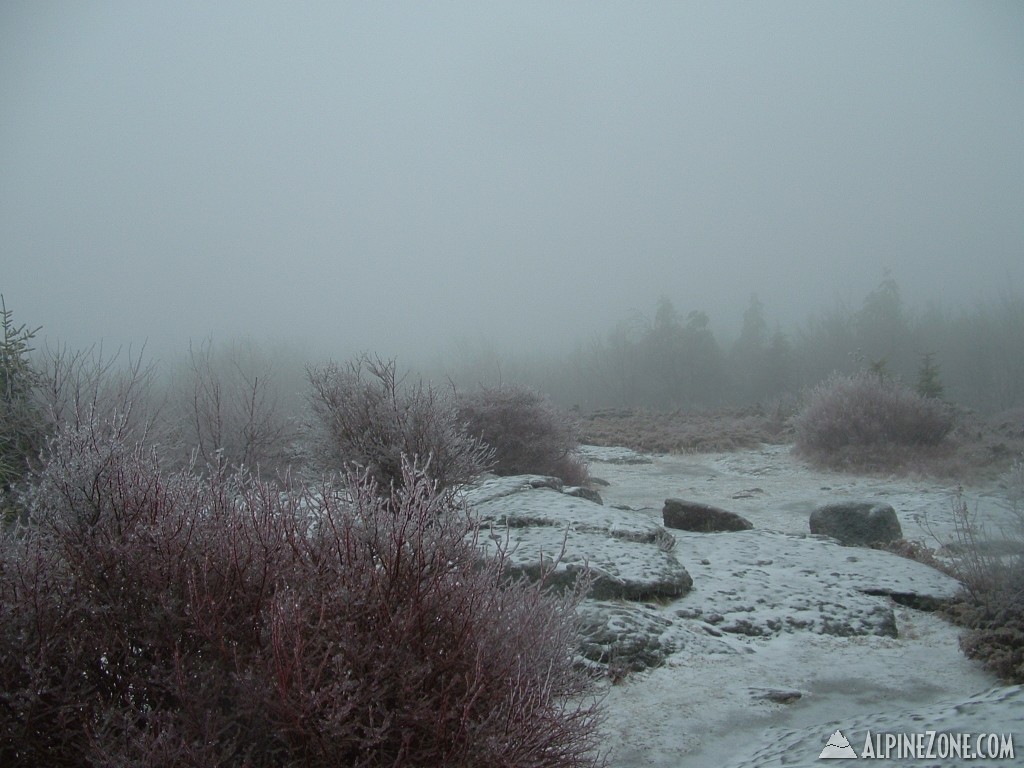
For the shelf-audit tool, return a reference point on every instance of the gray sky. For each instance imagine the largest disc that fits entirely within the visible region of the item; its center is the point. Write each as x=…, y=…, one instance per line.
x=394, y=176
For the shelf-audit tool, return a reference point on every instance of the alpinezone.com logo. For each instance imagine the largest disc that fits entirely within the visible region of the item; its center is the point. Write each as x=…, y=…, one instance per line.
x=926, y=745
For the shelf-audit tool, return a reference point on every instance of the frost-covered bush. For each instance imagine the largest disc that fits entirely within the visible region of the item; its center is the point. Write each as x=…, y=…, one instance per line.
x=152, y=619
x=529, y=434
x=43, y=390
x=365, y=416
x=868, y=421
x=996, y=624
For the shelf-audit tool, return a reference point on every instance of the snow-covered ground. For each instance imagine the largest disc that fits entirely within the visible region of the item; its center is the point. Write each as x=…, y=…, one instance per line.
x=776, y=491
x=736, y=699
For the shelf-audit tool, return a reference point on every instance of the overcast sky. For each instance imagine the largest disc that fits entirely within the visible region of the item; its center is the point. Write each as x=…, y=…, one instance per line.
x=393, y=176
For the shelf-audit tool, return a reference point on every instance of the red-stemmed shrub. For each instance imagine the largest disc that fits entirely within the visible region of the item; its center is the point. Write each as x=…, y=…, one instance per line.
x=529, y=434
x=153, y=619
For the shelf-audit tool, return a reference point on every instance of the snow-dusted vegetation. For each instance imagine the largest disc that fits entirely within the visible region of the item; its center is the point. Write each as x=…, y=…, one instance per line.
x=869, y=422
x=198, y=569
x=530, y=435
x=152, y=618
x=508, y=384
x=157, y=615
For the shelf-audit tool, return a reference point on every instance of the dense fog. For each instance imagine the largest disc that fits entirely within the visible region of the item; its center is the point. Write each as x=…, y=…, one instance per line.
x=668, y=359
x=349, y=351
x=548, y=191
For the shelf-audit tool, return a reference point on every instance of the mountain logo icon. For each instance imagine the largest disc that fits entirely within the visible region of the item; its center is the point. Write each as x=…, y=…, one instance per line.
x=837, y=748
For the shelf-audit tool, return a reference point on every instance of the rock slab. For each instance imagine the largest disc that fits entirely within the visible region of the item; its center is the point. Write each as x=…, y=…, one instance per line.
x=763, y=583
x=629, y=558
x=628, y=555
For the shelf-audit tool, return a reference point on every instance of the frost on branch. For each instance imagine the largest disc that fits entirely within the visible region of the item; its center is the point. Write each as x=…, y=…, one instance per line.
x=152, y=618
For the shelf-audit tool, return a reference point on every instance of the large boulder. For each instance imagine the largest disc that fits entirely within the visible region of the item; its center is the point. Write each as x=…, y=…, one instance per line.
x=701, y=518
x=857, y=523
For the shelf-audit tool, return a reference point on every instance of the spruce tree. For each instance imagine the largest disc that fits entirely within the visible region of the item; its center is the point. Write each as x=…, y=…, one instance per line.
x=928, y=383
x=21, y=424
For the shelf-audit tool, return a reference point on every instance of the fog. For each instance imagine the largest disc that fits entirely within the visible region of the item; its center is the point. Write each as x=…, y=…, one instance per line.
x=404, y=177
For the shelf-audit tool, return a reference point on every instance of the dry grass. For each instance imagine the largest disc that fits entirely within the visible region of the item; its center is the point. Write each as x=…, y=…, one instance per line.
x=687, y=431
x=978, y=449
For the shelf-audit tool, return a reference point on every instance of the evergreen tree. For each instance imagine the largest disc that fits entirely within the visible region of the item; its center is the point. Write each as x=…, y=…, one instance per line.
x=704, y=364
x=928, y=382
x=753, y=336
x=883, y=330
x=779, y=374
x=21, y=424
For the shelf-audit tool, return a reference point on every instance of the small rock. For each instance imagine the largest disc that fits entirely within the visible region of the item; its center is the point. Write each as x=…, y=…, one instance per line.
x=583, y=493
x=702, y=518
x=779, y=696
x=540, y=481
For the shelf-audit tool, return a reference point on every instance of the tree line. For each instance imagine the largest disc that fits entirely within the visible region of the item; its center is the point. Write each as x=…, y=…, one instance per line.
x=673, y=359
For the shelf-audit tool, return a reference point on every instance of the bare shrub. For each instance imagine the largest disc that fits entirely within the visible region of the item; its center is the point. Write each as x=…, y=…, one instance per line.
x=57, y=387
x=84, y=386
x=365, y=416
x=990, y=565
x=529, y=434
x=981, y=559
x=155, y=619
x=227, y=409
x=869, y=421
x=572, y=469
